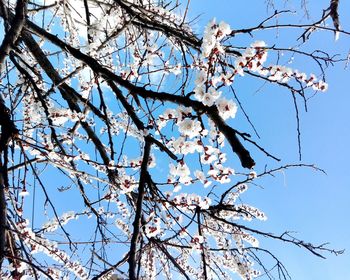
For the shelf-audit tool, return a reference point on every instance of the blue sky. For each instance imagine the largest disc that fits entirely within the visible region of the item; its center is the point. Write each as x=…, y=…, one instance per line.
x=314, y=205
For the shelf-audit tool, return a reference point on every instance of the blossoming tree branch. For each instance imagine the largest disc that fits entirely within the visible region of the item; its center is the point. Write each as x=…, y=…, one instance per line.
x=120, y=154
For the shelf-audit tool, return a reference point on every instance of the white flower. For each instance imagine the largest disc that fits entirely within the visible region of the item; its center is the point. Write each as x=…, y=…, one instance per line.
x=207, y=47
x=177, y=144
x=227, y=108
x=208, y=158
x=258, y=44
x=190, y=128
x=212, y=35
x=205, y=203
x=168, y=114
x=180, y=170
x=252, y=175
x=127, y=184
x=208, y=99
x=22, y=266
x=262, y=56
x=197, y=241
x=201, y=78
x=216, y=94
x=300, y=76
x=153, y=228
x=200, y=175
x=177, y=188
x=322, y=86
x=311, y=80
x=239, y=64
x=215, y=80
x=176, y=70
x=227, y=79
x=199, y=93
x=152, y=161
x=59, y=116
x=188, y=148
x=24, y=192
x=182, y=112
x=224, y=28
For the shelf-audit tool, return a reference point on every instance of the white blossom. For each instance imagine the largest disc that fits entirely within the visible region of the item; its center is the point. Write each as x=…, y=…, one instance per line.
x=190, y=128
x=227, y=108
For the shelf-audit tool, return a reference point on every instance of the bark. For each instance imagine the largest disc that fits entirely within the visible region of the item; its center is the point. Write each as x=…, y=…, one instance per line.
x=8, y=132
x=138, y=211
x=13, y=33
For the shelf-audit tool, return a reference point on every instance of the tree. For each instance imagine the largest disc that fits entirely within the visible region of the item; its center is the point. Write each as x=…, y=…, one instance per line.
x=119, y=112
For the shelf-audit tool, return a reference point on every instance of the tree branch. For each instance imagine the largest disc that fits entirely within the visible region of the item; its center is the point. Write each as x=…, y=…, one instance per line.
x=138, y=211
x=13, y=33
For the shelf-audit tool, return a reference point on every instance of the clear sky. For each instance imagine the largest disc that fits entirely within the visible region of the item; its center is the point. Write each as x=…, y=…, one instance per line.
x=314, y=205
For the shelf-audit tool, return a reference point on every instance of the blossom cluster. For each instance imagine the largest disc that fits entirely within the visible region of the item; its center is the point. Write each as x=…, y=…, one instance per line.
x=197, y=241
x=209, y=156
x=213, y=34
x=207, y=80
x=127, y=183
x=255, y=56
x=53, y=225
x=41, y=244
x=225, y=235
x=206, y=93
x=153, y=227
x=148, y=262
x=190, y=201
